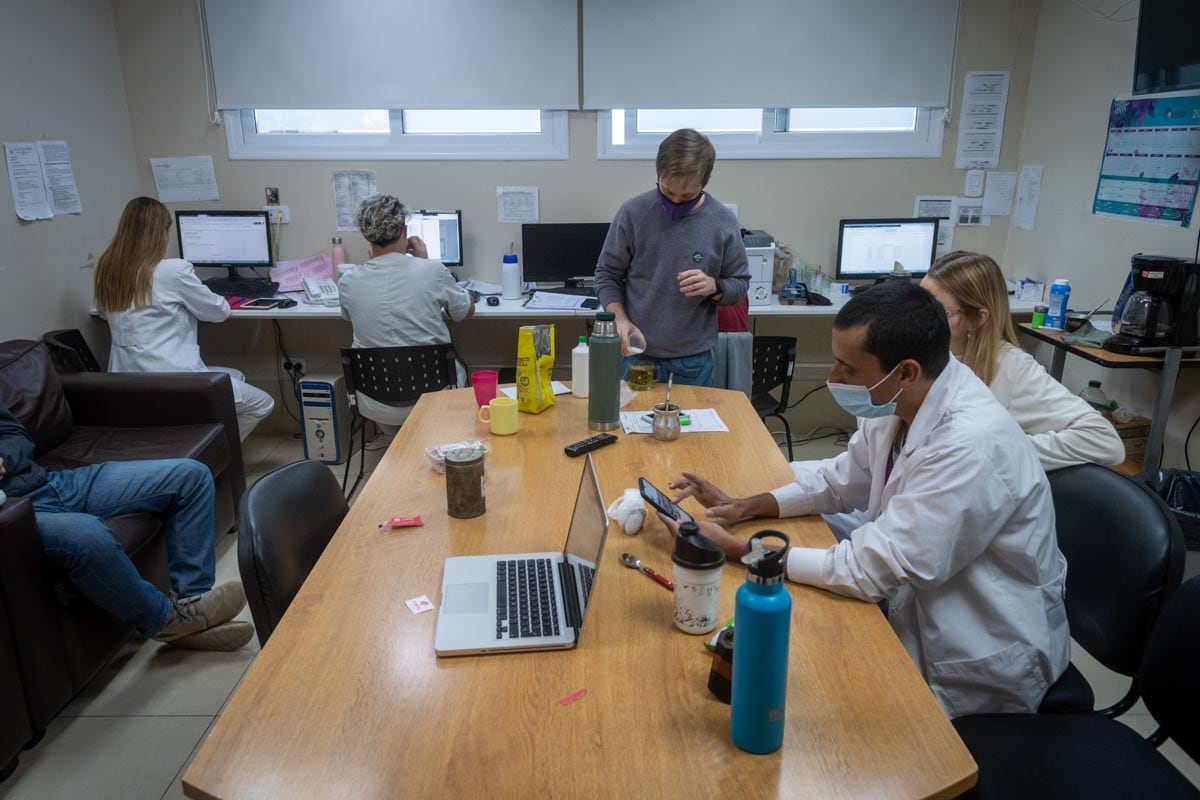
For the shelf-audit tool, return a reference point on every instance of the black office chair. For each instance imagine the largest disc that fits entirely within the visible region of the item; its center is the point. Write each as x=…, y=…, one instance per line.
x=774, y=360
x=69, y=352
x=1125, y=556
x=396, y=375
x=1092, y=755
x=288, y=517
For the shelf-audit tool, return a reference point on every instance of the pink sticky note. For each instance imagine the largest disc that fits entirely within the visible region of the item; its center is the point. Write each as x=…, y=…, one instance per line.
x=572, y=697
x=420, y=604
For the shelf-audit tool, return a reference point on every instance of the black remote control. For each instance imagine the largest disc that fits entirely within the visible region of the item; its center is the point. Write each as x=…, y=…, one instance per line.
x=589, y=444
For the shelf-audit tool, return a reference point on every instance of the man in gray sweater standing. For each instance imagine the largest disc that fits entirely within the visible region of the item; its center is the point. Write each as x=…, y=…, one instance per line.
x=672, y=255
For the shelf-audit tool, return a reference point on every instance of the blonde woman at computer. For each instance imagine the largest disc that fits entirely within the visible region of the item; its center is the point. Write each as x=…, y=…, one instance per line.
x=153, y=305
x=1063, y=428
x=399, y=298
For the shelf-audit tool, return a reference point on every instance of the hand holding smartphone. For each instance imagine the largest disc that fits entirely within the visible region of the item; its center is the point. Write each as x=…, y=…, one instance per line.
x=662, y=503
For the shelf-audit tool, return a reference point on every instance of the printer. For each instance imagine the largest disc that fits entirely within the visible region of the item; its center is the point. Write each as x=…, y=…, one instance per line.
x=760, y=253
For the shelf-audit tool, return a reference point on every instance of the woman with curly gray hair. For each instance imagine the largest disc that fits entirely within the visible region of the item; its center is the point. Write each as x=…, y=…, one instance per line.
x=399, y=298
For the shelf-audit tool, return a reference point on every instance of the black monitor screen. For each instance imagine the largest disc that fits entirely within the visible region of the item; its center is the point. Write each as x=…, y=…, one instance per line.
x=562, y=251
x=870, y=248
x=442, y=233
x=1168, y=46
x=224, y=238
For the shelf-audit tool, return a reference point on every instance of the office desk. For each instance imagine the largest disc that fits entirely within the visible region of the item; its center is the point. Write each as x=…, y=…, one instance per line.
x=348, y=699
x=1168, y=364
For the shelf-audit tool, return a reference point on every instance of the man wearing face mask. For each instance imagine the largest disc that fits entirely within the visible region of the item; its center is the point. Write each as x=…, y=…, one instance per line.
x=673, y=254
x=959, y=534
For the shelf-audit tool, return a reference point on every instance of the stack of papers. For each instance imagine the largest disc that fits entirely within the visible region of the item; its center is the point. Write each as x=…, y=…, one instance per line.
x=543, y=299
x=290, y=274
x=703, y=420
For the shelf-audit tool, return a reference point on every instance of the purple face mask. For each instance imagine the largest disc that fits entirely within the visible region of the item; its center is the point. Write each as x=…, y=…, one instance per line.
x=677, y=211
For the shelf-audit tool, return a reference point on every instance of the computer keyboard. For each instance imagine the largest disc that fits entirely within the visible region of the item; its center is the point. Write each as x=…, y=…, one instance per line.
x=525, y=600
x=242, y=287
x=578, y=291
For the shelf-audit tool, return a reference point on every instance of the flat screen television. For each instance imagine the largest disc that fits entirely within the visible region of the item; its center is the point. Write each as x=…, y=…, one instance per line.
x=565, y=251
x=228, y=239
x=1168, y=46
x=870, y=248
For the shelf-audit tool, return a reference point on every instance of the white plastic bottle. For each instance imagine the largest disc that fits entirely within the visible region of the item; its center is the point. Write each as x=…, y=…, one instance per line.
x=579, y=368
x=510, y=277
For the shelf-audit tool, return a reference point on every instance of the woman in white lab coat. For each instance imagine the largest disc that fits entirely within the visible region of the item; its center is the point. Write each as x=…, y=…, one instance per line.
x=1063, y=428
x=153, y=304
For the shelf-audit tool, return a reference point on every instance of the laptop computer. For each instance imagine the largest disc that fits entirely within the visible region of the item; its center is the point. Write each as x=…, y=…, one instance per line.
x=526, y=601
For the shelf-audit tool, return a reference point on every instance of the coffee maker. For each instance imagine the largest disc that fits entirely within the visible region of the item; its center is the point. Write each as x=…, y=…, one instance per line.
x=1162, y=310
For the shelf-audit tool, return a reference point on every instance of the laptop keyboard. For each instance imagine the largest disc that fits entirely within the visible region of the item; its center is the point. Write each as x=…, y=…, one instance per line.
x=587, y=573
x=525, y=600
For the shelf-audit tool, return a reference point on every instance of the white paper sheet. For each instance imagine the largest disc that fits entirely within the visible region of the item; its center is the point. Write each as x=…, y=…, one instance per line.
x=973, y=186
x=183, y=179
x=558, y=387
x=516, y=204
x=61, y=190
x=26, y=181
x=551, y=300
x=1029, y=189
x=941, y=207
x=981, y=120
x=702, y=420
x=289, y=274
x=350, y=188
x=998, y=193
x=968, y=213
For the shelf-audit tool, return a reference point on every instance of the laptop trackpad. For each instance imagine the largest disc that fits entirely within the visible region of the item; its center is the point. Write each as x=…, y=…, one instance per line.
x=466, y=598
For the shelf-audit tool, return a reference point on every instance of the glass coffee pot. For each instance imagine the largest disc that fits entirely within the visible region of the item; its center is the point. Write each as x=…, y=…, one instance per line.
x=1146, y=316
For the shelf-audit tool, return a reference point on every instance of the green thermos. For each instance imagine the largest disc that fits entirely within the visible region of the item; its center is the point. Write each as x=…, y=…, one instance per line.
x=604, y=374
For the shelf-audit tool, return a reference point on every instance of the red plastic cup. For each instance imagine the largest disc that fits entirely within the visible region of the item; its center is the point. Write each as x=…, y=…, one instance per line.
x=483, y=381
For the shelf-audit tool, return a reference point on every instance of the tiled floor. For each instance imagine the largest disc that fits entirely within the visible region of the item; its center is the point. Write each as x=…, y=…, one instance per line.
x=132, y=732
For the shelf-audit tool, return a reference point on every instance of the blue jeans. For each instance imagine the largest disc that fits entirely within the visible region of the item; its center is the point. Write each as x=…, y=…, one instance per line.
x=71, y=509
x=694, y=370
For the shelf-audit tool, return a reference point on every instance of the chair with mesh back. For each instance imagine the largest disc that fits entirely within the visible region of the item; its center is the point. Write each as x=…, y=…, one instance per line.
x=774, y=359
x=394, y=375
x=69, y=352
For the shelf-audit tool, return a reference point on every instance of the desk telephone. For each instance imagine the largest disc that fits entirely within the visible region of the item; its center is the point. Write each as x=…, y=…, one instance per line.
x=323, y=292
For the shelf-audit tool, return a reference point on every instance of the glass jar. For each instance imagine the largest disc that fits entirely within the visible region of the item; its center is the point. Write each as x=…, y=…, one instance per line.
x=665, y=426
x=464, y=482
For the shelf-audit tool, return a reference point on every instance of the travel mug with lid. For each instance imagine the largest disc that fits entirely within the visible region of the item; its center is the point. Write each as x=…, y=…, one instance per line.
x=698, y=567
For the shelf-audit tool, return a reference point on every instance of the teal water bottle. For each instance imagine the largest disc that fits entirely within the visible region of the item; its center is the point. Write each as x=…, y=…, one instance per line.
x=762, y=624
x=604, y=374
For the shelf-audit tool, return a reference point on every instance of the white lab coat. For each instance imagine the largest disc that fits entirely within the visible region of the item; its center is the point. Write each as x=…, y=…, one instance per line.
x=161, y=336
x=960, y=538
x=1064, y=429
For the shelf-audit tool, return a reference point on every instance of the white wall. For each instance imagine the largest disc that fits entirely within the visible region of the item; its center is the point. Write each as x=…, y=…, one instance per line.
x=62, y=80
x=1080, y=63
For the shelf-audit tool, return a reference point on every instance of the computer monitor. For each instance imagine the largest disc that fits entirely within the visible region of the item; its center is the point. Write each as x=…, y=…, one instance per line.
x=563, y=251
x=229, y=239
x=442, y=233
x=870, y=248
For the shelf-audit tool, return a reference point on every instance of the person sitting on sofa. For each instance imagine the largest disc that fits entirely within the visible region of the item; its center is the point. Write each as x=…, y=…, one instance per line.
x=70, y=507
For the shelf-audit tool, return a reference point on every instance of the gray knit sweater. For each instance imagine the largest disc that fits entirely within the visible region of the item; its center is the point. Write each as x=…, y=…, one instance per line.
x=644, y=253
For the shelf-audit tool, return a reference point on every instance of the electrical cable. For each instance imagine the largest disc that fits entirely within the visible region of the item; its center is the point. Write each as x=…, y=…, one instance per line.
x=1110, y=16
x=281, y=356
x=1186, y=458
x=214, y=116
x=805, y=395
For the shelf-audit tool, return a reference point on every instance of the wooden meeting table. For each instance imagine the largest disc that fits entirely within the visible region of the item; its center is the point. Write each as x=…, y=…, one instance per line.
x=348, y=700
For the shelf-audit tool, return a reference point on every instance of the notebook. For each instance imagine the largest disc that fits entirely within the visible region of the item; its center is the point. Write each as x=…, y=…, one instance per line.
x=525, y=601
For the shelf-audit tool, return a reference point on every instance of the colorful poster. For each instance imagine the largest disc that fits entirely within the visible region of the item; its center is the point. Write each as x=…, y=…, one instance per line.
x=1151, y=160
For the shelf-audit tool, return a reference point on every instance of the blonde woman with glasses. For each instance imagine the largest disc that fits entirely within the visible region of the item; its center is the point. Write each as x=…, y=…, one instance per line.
x=1063, y=428
x=153, y=305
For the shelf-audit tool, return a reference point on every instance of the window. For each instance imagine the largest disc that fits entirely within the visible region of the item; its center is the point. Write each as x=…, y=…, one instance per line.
x=396, y=134
x=779, y=132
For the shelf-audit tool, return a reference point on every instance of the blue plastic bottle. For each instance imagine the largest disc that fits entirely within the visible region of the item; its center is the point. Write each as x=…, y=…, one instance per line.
x=1060, y=297
x=762, y=624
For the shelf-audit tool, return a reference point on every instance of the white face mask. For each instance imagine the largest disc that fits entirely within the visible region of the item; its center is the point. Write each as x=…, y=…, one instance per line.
x=856, y=400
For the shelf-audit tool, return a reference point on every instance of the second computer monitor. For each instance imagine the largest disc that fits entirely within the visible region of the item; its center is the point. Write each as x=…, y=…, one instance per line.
x=870, y=248
x=563, y=251
x=229, y=239
x=442, y=233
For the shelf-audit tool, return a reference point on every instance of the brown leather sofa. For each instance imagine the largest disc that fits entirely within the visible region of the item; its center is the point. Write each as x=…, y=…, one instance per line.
x=60, y=640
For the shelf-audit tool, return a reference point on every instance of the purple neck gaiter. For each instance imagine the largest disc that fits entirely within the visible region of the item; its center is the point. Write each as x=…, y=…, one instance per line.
x=677, y=211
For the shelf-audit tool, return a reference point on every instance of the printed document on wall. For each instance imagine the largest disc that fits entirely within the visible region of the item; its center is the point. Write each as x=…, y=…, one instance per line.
x=184, y=179
x=1151, y=160
x=26, y=180
x=998, y=193
x=60, y=178
x=981, y=120
x=350, y=188
x=1029, y=189
x=516, y=204
x=941, y=207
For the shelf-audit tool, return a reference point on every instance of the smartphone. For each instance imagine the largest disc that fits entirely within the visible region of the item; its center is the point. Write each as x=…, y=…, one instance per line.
x=662, y=503
x=261, y=304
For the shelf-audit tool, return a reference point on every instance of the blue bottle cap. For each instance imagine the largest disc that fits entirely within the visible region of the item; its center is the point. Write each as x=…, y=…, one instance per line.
x=510, y=258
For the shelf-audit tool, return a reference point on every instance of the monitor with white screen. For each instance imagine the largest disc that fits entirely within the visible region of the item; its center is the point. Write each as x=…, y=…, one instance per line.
x=870, y=248
x=229, y=239
x=442, y=233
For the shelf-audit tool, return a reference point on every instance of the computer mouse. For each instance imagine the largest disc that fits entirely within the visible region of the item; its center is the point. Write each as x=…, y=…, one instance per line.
x=286, y=302
x=493, y=301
